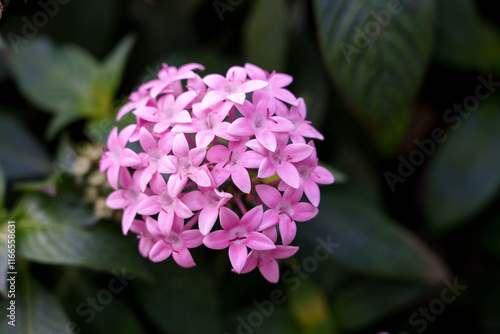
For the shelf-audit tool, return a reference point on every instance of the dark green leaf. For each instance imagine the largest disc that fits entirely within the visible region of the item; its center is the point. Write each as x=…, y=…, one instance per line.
x=365, y=302
x=362, y=238
x=377, y=55
x=182, y=301
x=36, y=310
x=265, y=35
x=99, y=247
x=21, y=154
x=464, y=175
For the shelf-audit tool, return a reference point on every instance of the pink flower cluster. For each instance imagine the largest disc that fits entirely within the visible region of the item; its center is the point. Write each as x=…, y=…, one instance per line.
x=211, y=155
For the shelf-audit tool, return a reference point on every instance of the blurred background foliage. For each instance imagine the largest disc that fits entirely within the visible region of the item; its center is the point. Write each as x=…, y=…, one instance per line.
x=414, y=209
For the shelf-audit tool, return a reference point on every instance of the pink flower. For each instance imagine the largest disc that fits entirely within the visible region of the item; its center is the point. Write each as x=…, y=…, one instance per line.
x=238, y=235
x=281, y=160
x=266, y=259
x=118, y=155
x=175, y=243
x=165, y=203
x=127, y=199
x=146, y=239
x=260, y=122
x=276, y=82
x=284, y=210
x=233, y=161
x=170, y=110
x=169, y=75
x=303, y=128
x=186, y=164
x=209, y=200
x=311, y=175
x=233, y=87
x=155, y=155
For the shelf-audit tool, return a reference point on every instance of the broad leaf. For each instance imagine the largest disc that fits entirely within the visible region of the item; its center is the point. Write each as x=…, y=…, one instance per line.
x=266, y=36
x=36, y=310
x=377, y=53
x=464, y=175
x=363, y=303
x=463, y=39
x=182, y=300
x=364, y=239
x=99, y=247
x=22, y=155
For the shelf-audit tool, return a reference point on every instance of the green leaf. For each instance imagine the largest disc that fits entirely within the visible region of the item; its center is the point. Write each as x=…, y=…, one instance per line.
x=265, y=35
x=362, y=238
x=36, y=310
x=377, y=54
x=463, y=39
x=22, y=155
x=67, y=81
x=182, y=300
x=100, y=247
x=363, y=303
x=463, y=176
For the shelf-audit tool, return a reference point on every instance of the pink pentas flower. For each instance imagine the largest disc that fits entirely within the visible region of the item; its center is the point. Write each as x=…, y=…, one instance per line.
x=126, y=199
x=175, y=243
x=285, y=210
x=233, y=87
x=208, y=146
x=238, y=235
x=265, y=260
x=209, y=200
x=118, y=155
x=276, y=82
x=186, y=164
x=234, y=161
x=164, y=203
x=281, y=160
x=311, y=175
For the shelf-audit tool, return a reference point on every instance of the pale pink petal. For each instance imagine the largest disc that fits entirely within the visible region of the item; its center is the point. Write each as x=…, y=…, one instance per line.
x=206, y=220
x=269, y=195
x=200, y=177
x=125, y=109
x=166, y=221
x=217, y=154
x=196, y=155
x=304, y=211
x=251, y=159
x=212, y=98
x=251, y=220
x=145, y=246
x=125, y=134
x=204, y=138
x=236, y=74
x=175, y=184
x=293, y=195
x=146, y=175
x=149, y=206
x=157, y=183
x=241, y=127
x=280, y=124
x=269, y=219
x=184, y=99
x=182, y=210
x=238, y=256
x=129, y=158
x=215, y=81
x=165, y=165
x=253, y=85
x=288, y=173
x=183, y=258
x=180, y=146
x=217, y=240
x=266, y=169
x=241, y=179
x=128, y=217
x=250, y=263
x=115, y=200
x=181, y=117
x=220, y=175
x=255, y=72
x=259, y=241
x=307, y=130
x=192, y=238
x=238, y=98
x=228, y=218
x=112, y=175
x=148, y=142
x=288, y=229
x=270, y=270
x=267, y=139
x=112, y=140
x=298, y=152
x=322, y=175
x=194, y=200
x=160, y=251
x=280, y=80
x=312, y=192
x=284, y=252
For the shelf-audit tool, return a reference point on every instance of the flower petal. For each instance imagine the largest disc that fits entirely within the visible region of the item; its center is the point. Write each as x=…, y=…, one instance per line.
x=259, y=241
x=251, y=220
x=288, y=173
x=238, y=256
x=217, y=240
x=269, y=195
x=228, y=218
x=288, y=229
x=270, y=270
x=206, y=220
x=160, y=251
x=303, y=212
x=241, y=179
